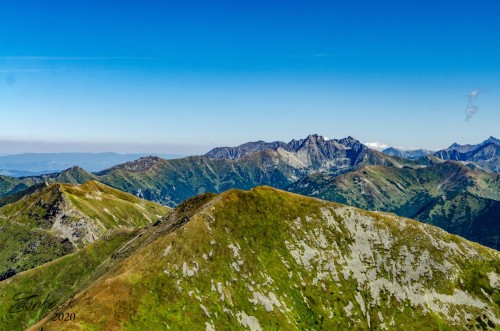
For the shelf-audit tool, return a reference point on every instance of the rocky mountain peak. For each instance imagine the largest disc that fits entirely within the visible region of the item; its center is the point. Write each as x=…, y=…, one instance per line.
x=315, y=138
x=350, y=142
x=75, y=168
x=492, y=140
x=484, y=156
x=391, y=151
x=308, y=142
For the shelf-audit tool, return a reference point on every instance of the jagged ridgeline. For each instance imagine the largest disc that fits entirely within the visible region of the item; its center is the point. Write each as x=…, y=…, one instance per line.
x=276, y=164
x=484, y=156
x=49, y=221
x=448, y=194
x=267, y=259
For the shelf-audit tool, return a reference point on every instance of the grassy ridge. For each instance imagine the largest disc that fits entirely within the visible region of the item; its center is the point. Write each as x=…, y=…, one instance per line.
x=267, y=259
x=59, y=279
x=60, y=218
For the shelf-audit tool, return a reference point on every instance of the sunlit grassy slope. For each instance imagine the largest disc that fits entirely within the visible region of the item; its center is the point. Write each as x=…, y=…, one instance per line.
x=266, y=259
x=60, y=218
x=59, y=279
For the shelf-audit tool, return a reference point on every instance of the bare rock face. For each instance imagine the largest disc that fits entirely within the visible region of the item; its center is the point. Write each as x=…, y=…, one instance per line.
x=69, y=223
x=233, y=153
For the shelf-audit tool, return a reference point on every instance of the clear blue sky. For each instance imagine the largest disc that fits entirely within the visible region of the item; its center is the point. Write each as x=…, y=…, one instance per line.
x=183, y=76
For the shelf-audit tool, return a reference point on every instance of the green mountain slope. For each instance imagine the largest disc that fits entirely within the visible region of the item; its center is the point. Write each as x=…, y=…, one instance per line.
x=11, y=185
x=12, y=189
x=11, y=198
x=60, y=218
x=268, y=259
x=73, y=175
x=57, y=281
x=448, y=195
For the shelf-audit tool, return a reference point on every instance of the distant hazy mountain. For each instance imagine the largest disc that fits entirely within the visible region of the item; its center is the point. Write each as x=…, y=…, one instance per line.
x=21, y=173
x=484, y=156
x=33, y=164
x=448, y=195
x=268, y=260
x=407, y=154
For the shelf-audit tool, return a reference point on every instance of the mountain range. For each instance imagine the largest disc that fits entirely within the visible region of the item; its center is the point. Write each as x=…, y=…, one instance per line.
x=172, y=181
x=484, y=156
x=265, y=259
x=458, y=199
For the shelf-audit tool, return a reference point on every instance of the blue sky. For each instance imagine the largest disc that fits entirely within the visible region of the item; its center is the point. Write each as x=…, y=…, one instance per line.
x=184, y=76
